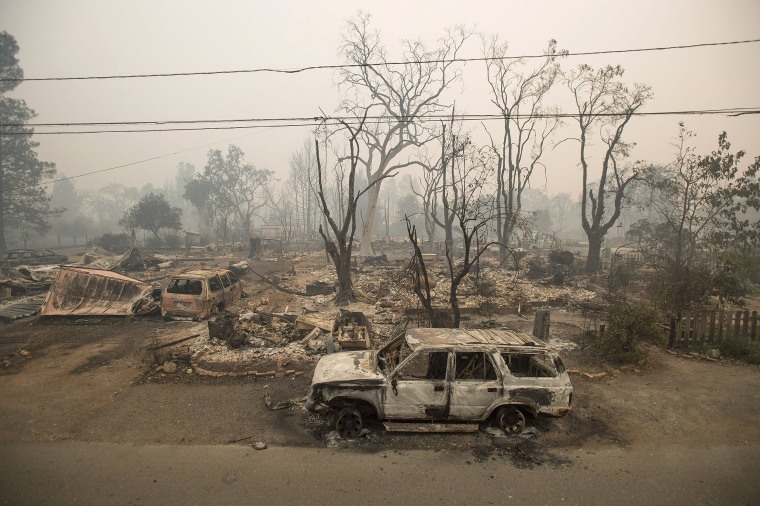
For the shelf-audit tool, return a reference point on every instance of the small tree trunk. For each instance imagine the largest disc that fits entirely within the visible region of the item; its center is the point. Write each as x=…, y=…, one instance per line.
x=456, y=315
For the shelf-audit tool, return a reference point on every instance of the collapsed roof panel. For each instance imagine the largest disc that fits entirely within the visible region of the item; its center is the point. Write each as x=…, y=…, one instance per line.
x=96, y=292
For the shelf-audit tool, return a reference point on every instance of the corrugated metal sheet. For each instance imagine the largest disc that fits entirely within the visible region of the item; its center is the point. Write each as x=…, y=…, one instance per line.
x=21, y=309
x=82, y=291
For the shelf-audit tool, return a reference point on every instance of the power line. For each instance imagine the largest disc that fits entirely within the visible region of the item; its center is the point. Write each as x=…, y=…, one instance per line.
x=301, y=121
x=379, y=64
x=158, y=157
x=344, y=118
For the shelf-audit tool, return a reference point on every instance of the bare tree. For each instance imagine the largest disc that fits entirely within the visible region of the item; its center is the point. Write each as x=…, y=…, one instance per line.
x=604, y=101
x=302, y=169
x=518, y=92
x=418, y=270
x=468, y=211
x=339, y=245
x=427, y=190
x=398, y=95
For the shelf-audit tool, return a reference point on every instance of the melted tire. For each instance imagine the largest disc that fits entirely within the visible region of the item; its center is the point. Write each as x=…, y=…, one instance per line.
x=349, y=423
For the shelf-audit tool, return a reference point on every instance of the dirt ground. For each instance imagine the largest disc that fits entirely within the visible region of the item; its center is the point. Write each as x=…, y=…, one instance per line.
x=96, y=381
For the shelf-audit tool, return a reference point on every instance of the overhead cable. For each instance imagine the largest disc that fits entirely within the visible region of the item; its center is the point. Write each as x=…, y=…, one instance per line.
x=299, y=70
x=335, y=121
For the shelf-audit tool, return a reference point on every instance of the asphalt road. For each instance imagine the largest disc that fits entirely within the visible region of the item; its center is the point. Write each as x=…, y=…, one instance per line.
x=70, y=472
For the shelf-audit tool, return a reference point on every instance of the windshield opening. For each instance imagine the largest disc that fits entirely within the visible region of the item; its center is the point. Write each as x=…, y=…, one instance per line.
x=393, y=354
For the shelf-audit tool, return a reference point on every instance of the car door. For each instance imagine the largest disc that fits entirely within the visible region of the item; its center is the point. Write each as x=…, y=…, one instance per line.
x=228, y=296
x=475, y=385
x=216, y=290
x=418, y=389
x=235, y=287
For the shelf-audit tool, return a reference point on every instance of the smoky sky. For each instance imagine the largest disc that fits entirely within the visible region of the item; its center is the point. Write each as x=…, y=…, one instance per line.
x=91, y=38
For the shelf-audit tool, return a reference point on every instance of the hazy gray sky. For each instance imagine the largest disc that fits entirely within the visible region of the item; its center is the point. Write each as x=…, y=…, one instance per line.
x=101, y=37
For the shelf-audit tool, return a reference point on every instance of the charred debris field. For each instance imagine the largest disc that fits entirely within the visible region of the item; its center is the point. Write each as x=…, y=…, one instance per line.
x=147, y=379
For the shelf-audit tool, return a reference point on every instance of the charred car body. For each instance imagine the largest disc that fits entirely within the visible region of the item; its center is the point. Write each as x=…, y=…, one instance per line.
x=200, y=293
x=452, y=376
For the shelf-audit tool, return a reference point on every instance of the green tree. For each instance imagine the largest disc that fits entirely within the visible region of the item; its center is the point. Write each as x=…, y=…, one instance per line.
x=24, y=203
x=66, y=197
x=152, y=213
x=700, y=208
x=228, y=183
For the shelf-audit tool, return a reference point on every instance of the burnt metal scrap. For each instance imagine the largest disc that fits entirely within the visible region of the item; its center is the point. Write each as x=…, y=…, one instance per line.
x=22, y=308
x=95, y=292
x=24, y=279
x=352, y=329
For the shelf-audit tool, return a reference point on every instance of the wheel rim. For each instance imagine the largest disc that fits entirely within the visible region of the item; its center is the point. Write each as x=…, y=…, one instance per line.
x=512, y=420
x=349, y=424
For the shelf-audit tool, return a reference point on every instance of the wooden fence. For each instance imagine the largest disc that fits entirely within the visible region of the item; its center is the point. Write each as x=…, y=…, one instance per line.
x=708, y=327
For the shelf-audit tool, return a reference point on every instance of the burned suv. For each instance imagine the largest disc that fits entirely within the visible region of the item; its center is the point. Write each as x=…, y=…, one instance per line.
x=455, y=377
x=200, y=293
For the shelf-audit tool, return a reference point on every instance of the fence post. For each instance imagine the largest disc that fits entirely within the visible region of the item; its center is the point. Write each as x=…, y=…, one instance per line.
x=753, y=332
x=712, y=326
x=697, y=328
x=737, y=324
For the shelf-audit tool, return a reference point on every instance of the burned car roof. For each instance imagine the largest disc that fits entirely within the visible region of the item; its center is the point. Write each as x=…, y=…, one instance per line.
x=470, y=337
x=200, y=273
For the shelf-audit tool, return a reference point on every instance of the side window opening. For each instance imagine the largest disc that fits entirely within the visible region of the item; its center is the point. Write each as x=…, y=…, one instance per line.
x=474, y=366
x=426, y=365
x=530, y=365
x=214, y=284
x=185, y=286
x=233, y=278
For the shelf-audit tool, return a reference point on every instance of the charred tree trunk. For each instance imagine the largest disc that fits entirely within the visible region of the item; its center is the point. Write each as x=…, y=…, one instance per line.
x=594, y=258
x=418, y=270
x=340, y=254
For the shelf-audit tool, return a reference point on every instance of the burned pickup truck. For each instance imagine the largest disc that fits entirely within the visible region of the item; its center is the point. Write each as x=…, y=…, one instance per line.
x=443, y=380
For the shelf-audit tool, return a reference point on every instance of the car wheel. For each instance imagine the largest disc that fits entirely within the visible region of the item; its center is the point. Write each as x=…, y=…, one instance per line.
x=511, y=419
x=349, y=423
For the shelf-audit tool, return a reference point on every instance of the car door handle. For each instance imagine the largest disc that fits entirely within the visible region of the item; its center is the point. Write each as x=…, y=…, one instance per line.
x=491, y=389
x=438, y=388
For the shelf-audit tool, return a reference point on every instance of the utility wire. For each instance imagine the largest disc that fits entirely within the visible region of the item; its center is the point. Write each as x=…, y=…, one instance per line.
x=158, y=157
x=380, y=64
x=398, y=118
x=332, y=121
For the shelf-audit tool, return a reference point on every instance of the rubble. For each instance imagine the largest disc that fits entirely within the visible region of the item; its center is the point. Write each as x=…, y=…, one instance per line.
x=320, y=288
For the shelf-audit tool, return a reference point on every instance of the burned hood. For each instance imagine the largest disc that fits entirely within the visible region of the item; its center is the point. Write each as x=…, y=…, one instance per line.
x=350, y=367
